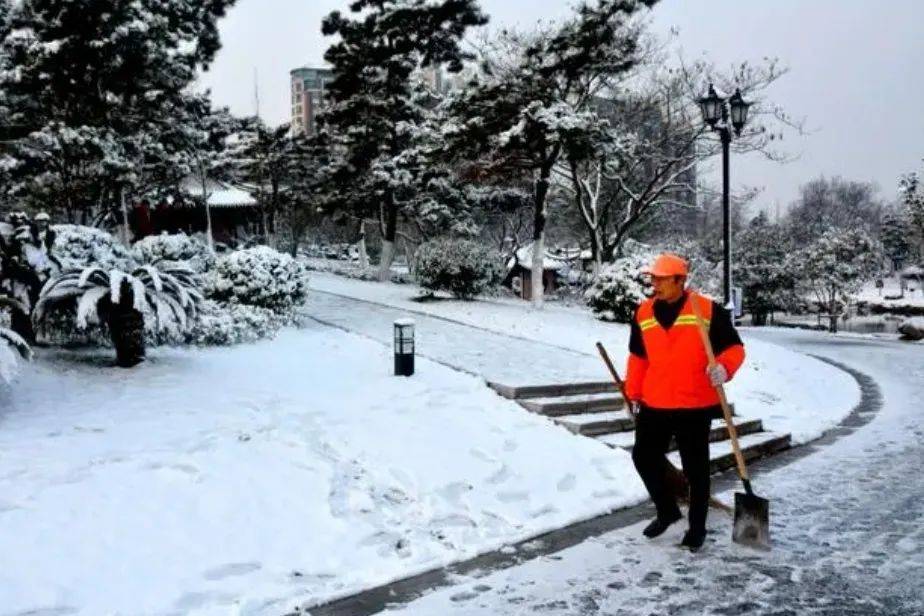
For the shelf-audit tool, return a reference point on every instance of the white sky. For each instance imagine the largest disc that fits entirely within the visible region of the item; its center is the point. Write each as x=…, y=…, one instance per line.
x=857, y=73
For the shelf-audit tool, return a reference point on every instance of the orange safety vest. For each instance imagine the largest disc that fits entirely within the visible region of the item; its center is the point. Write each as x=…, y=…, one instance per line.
x=674, y=374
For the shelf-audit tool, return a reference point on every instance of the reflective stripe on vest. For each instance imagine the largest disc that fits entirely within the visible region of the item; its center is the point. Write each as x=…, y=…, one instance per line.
x=676, y=374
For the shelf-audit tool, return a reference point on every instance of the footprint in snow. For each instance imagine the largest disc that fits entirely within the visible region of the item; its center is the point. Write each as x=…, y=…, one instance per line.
x=477, y=453
x=231, y=570
x=512, y=496
x=502, y=475
x=454, y=491
x=567, y=483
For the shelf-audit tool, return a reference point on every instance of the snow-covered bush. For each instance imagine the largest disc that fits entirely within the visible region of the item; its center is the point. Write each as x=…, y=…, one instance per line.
x=167, y=250
x=619, y=289
x=225, y=324
x=258, y=276
x=128, y=304
x=462, y=267
x=170, y=295
x=912, y=328
x=77, y=246
x=12, y=348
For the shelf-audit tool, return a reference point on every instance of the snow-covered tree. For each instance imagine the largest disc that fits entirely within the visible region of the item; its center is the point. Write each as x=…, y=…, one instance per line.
x=263, y=158
x=896, y=234
x=835, y=266
x=206, y=155
x=534, y=100
x=912, y=193
x=90, y=81
x=121, y=300
x=370, y=102
x=762, y=268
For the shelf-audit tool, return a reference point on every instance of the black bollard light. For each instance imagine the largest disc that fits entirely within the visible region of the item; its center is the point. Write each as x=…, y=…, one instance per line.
x=404, y=347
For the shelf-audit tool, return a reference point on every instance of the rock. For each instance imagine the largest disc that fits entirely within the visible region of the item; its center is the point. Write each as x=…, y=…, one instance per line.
x=912, y=329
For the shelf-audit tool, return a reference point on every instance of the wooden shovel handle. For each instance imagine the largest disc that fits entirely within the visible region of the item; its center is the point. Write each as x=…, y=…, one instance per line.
x=726, y=410
x=609, y=364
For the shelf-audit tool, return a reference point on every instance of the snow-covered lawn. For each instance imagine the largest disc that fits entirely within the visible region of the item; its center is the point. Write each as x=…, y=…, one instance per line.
x=252, y=479
x=791, y=392
x=913, y=296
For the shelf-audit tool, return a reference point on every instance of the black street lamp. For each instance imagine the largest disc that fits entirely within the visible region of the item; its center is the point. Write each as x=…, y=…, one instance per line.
x=716, y=111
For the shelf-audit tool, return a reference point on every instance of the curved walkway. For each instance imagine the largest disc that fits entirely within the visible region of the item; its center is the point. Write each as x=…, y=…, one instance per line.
x=545, y=546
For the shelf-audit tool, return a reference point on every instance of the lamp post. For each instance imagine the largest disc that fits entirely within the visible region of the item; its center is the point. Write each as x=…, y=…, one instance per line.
x=716, y=111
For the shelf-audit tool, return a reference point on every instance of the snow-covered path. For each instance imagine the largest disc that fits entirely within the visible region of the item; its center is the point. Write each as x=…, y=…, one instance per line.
x=846, y=524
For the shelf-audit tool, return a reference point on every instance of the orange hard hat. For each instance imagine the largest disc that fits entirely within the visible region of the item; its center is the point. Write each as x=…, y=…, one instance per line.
x=667, y=264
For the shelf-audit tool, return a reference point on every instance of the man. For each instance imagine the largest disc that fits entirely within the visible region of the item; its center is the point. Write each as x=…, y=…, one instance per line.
x=671, y=390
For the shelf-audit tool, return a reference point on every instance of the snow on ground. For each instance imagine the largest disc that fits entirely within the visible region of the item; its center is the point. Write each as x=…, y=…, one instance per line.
x=913, y=295
x=789, y=391
x=845, y=531
x=251, y=479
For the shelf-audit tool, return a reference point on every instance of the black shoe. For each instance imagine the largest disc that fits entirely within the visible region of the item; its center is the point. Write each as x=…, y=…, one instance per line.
x=692, y=540
x=659, y=525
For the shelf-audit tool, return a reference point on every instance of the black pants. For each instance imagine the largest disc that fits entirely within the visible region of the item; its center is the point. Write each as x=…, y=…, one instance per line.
x=653, y=432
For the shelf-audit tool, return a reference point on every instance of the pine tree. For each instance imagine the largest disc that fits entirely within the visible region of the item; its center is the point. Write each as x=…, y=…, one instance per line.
x=90, y=79
x=263, y=158
x=895, y=234
x=761, y=268
x=912, y=193
x=370, y=99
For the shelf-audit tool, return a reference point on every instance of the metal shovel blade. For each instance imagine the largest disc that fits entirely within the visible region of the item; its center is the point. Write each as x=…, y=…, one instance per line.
x=752, y=521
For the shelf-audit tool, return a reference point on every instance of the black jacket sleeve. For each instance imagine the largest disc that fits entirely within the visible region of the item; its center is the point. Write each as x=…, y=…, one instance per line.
x=636, y=343
x=722, y=333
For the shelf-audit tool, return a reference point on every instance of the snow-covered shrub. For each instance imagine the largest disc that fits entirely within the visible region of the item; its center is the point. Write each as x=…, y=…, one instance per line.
x=77, y=246
x=12, y=348
x=258, y=276
x=619, y=289
x=462, y=267
x=170, y=295
x=226, y=324
x=912, y=328
x=180, y=248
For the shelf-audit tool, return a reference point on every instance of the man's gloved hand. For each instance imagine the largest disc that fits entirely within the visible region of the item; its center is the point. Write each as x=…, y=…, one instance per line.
x=634, y=408
x=717, y=374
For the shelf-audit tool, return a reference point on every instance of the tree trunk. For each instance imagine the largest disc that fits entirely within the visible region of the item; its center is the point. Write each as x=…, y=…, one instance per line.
x=832, y=323
x=21, y=323
x=126, y=232
x=537, y=274
x=126, y=329
x=363, y=253
x=597, y=249
x=388, y=239
x=759, y=319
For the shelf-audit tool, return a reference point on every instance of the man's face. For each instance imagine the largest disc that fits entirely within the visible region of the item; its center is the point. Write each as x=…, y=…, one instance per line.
x=668, y=288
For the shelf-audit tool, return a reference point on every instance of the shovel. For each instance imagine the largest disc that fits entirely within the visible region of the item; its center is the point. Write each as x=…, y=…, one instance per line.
x=752, y=513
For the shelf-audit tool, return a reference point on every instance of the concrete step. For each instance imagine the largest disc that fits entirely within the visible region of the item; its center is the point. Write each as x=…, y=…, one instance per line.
x=718, y=433
x=595, y=424
x=753, y=446
x=574, y=404
x=522, y=392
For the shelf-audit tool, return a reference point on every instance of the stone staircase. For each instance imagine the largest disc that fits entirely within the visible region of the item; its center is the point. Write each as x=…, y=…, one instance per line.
x=596, y=409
